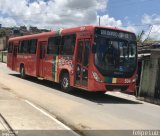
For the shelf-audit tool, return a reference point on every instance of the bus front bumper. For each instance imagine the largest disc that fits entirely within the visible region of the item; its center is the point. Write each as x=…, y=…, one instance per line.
x=103, y=87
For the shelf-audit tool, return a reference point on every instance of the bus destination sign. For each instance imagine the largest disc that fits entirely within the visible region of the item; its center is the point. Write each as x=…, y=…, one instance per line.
x=114, y=33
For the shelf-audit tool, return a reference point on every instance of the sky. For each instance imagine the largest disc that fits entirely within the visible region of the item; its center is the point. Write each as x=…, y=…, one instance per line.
x=133, y=15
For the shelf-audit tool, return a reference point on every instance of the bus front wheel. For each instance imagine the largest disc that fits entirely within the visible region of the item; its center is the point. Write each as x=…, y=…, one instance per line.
x=22, y=72
x=65, y=83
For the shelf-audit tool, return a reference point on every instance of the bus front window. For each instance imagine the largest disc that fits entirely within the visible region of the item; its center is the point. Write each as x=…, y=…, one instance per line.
x=115, y=57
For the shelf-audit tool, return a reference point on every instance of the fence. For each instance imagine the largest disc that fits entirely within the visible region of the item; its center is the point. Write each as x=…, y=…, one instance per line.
x=3, y=56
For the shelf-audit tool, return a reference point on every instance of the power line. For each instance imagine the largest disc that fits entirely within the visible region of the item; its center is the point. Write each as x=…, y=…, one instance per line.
x=157, y=30
x=149, y=33
x=142, y=25
x=137, y=25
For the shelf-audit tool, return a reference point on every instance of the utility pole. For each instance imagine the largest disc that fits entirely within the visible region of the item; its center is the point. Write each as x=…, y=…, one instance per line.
x=99, y=21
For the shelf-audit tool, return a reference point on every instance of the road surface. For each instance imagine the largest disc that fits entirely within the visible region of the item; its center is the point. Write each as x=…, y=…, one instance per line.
x=24, y=118
x=80, y=110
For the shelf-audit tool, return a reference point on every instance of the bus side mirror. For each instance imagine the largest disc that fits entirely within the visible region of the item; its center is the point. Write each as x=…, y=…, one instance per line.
x=94, y=48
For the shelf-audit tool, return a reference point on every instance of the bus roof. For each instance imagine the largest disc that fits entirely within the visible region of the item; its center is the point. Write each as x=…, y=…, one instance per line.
x=64, y=31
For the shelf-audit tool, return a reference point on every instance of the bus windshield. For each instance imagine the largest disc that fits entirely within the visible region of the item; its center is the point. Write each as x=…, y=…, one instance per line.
x=115, y=57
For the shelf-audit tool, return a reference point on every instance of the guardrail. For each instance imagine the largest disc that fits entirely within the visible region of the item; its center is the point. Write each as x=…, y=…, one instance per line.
x=3, y=56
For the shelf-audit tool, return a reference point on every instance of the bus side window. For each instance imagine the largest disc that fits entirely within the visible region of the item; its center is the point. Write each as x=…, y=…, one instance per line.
x=86, y=53
x=24, y=46
x=53, y=45
x=10, y=47
x=20, y=50
x=80, y=50
x=33, y=46
x=68, y=44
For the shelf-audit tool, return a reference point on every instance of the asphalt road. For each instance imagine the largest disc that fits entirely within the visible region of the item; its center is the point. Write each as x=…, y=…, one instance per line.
x=21, y=118
x=81, y=110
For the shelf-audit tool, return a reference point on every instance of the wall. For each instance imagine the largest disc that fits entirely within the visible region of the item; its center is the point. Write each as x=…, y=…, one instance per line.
x=150, y=77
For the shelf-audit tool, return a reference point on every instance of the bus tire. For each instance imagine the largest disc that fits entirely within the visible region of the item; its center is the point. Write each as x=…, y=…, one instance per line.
x=22, y=72
x=65, y=83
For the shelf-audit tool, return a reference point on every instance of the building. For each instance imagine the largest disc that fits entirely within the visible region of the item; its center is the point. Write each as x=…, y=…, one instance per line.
x=149, y=85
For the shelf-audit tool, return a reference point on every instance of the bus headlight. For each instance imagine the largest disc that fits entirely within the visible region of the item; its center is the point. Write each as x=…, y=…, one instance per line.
x=96, y=77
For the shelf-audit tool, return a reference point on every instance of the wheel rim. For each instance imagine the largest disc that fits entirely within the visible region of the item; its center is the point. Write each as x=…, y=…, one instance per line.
x=65, y=82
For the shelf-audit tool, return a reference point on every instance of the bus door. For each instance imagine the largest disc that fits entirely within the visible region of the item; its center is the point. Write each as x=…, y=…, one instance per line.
x=14, y=58
x=82, y=63
x=43, y=47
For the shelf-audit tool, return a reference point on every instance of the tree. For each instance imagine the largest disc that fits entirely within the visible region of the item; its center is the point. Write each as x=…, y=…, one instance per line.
x=2, y=32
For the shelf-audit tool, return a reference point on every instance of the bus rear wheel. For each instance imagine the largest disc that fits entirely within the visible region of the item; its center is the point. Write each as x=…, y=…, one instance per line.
x=65, y=83
x=22, y=72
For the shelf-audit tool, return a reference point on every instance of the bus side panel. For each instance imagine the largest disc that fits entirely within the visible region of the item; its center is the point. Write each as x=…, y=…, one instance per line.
x=9, y=60
x=16, y=65
x=48, y=70
x=31, y=64
x=66, y=63
x=20, y=60
x=37, y=60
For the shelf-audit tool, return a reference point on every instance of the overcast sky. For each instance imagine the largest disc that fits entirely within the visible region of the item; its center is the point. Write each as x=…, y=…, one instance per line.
x=134, y=15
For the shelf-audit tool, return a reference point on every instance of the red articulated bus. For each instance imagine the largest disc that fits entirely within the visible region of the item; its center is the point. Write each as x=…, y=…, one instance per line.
x=92, y=58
